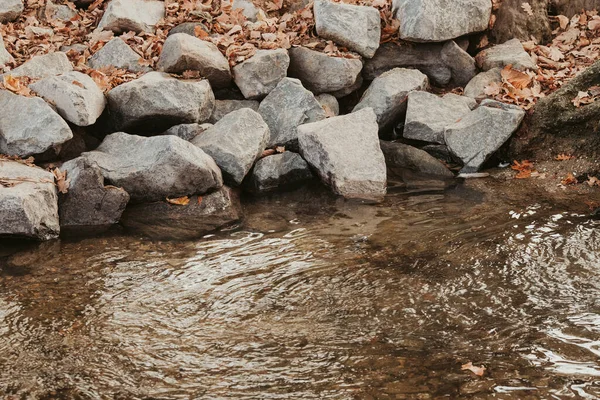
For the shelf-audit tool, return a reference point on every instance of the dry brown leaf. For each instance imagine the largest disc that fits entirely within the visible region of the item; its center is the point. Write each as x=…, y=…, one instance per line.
x=61, y=180
x=564, y=157
x=268, y=152
x=593, y=181
x=77, y=83
x=569, y=180
x=527, y=8
x=563, y=21
x=280, y=149
x=517, y=79
x=479, y=371
x=179, y=201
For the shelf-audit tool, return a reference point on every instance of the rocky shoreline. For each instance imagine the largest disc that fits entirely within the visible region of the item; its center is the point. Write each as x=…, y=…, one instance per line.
x=176, y=142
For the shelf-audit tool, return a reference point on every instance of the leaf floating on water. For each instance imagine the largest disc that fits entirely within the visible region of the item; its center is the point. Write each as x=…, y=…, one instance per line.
x=61, y=180
x=179, y=201
x=479, y=371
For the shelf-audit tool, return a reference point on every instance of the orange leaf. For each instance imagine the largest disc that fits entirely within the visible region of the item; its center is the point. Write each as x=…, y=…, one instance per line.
x=517, y=79
x=179, y=201
x=569, y=180
x=564, y=157
x=479, y=371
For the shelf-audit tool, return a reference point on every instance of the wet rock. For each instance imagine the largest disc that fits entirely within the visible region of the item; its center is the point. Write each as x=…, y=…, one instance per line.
x=187, y=131
x=157, y=101
x=501, y=55
x=76, y=96
x=116, y=53
x=132, y=15
x=5, y=56
x=248, y=9
x=28, y=126
x=460, y=63
x=258, y=75
x=28, y=202
x=203, y=214
x=321, y=73
x=480, y=133
x=182, y=52
x=329, y=104
x=10, y=10
x=189, y=28
x=356, y=27
x=42, y=66
x=513, y=23
x=399, y=155
x=436, y=21
x=285, y=108
x=346, y=154
x=427, y=115
x=235, y=143
x=60, y=12
x=387, y=94
x=279, y=171
x=476, y=87
x=224, y=107
x=88, y=202
x=153, y=168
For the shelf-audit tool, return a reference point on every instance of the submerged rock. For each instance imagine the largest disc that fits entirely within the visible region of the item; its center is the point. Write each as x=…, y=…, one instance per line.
x=508, y=53
x=10, y=10
x=279, y=172
x=116, y=53
x=399, y=155
x=224, y=107
x=261, y=73
x=39, y=67
x=122, y=16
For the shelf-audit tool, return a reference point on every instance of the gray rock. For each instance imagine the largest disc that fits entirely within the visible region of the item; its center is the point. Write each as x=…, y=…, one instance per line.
x=427, y=115
x=187, y=131
x=42, y=66
x=122, y=16
x=202, y=215
x=116, y=53
x=28, y=202
x=76, y=96
x=279, y=172
x=438, y=20
x=346, y=154
x=188, y=28
x=512, y=22
x=498, y=104
x=182, y=52
x=355, y=27
x=387, y=94
x=321, y=73
x=571, y=7
x=476, y=87
x=285, y=108
x=480, y=133
x=59, y=11
x=78, y=48
x=439, y=151
x=507, y=53
x=258, y=75
x=248, y=9
x=153, y=168
x=468, y=101
x=88, y=202
x=235, y=143
x=460, y=63
x=5, y=56
x=338, y=94
x=329, y=104
x=399, y=155
x=28, y=126
x=157, y=101
x=10, y=10
x=224, y=107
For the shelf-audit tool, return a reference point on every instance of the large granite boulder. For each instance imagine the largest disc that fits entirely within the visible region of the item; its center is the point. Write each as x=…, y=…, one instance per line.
x=501, y=55
x=259, y=74
x=10, y=10
x=403, y=156
x=116, y=53
x=279, y=172
x=132, y=15
x=39, y=67
x=224, y=107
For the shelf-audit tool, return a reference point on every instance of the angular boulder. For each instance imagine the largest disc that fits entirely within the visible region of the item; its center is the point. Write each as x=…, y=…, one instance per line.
x=259, y=74
x=122, y=16
x=235, y=143
x=400, y=155
x=28, y=202
x=507, y=53
x=460, y=63
x=153, y=168
x=512, y=22
x=224, y=107
x=329, y=104
x=346, y=154
x=42, y=66
x=187, y=131
x=10, y=10
x=355, y=27
x=279, y=172
x=476, y=87
x=116, y=53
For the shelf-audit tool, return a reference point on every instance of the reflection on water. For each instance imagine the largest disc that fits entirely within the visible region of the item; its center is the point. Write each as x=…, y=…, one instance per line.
x=315, y=299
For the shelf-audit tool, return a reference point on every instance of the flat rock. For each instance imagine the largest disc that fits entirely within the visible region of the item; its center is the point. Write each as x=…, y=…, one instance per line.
x=122, y=16
x=329, y=104
x=356, y=27
x=116, y=53
x=476, y=87
x=285, y=108
x=321, y=73
x=182, y=52
x=427, y=115
x=346, y=154
x=438, y=20
x=279, y=172
x=153, y=168
x=400, y=155
x=28, y=202
x=248, y=8
x=235, y=143
x=387, y=94
x=29, y=126
x=480, y=133
x=259, y=74
x=42, y=66
x=76, y=97
x=157, y=101
x=10, y=10
x=507, y=53
x=187, y=131
x=460, y=63
x=5, y=56
x=224, y=107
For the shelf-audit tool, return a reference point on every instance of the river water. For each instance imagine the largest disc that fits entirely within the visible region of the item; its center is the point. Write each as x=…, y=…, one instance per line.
x=313, y=297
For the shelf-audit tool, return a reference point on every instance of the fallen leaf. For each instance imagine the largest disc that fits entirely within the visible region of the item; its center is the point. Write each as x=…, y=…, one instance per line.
x=563, y=21
x=268, y=152
x=517, y=79
x=524, y=167
x=199, y=200
x=564, y=157
x=61, y=180
x=280, y=149
x=479, y=371
x=569, y=180
x=77, y=83
x=593, y=181
x=179, y=201
x=527, y=8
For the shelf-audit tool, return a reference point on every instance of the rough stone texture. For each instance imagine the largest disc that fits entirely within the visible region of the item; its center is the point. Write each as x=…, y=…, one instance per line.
x=235, y=143
x=76, y=97
x=355, y=27
x=29, y=209
x=427, y=115
x=187, y=131
x=161, y=220
x=88, y=202
x=258, y=75
x=460, y=63
x=153, y=168
x=42, y=66
x=10, y=10
x=424, y=57
x=321, y=73
x=132, y=15
x=439, y=20
x=188, y=28
x=501, y=55
x=480, y=133
x=346, y=154
x=338, y=94
x=387, y=94
x=59, y=11
x=248, y=9
x=116, y=53
x=157, y=101
x=572, y=7
x=5, y=56
x=476, y=87
x=28, y=126
x=329, y=104
x=285, y=108
x=399, y=155
x=78, y=48
x=279, y=172
x=513, y=22
x=439, y=151
x=224, y=107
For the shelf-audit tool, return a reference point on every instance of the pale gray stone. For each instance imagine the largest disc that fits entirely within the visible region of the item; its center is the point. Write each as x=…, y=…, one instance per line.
x=79, y=48
x=10, y=10
x=507, y=53
x=224, y=107
x=329, y=104
x=116, y=53
x=259, y=74
x=400, y=155
x=189, y=28
x=42, y=66
x=59, y=11
x=476, y=87
x=187, y=131
x=279, y=172
x=460, y=63
x=338, y=94
x=5, y=56
x=122, y=16
x=248, y=9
